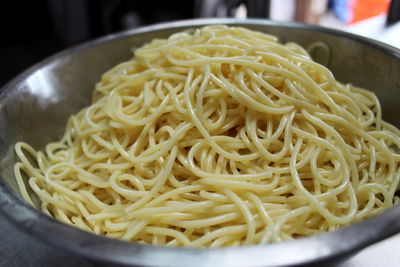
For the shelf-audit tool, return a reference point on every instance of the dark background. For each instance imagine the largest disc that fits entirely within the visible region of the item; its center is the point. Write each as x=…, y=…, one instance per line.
x=33, y=30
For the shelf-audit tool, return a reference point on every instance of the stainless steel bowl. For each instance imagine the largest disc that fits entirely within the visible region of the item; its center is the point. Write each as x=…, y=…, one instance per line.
x=35, y=105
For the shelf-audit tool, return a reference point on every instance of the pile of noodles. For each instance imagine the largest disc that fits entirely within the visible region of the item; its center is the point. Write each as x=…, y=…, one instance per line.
x=216, y=138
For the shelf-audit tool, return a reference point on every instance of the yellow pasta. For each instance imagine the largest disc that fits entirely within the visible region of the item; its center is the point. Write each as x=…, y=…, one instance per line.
x=219, y=137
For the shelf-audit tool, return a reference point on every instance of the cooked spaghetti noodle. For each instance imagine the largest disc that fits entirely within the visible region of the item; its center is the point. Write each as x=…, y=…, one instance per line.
x=219, y=137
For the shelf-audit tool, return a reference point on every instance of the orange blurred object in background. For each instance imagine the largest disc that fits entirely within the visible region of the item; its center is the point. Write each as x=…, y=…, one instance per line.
x=364, y=9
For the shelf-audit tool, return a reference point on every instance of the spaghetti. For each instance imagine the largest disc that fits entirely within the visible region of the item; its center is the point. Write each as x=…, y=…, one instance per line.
x=220, y=137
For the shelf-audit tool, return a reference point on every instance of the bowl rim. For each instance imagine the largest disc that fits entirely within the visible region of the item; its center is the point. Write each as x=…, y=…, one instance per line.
x=99, y=248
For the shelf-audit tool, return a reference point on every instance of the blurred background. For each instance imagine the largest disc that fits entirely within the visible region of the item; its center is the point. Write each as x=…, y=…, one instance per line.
x=36, y=29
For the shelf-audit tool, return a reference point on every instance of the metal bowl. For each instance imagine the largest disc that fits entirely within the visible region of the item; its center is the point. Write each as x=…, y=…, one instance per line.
x=35, y=105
